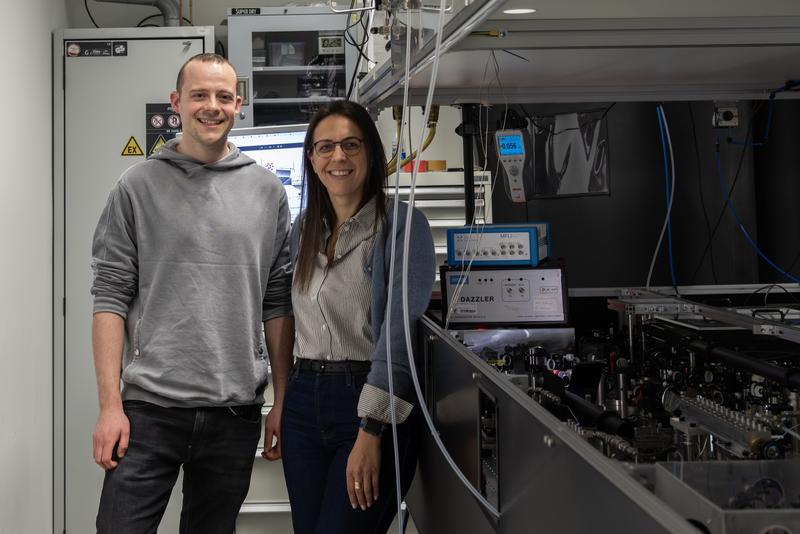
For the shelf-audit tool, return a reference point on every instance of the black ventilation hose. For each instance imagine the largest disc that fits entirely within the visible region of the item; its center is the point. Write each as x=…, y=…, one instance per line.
x=604, y=420
x=786, y=376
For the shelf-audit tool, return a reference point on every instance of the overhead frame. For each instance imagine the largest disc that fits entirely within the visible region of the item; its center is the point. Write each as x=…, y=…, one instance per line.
x=600, y=60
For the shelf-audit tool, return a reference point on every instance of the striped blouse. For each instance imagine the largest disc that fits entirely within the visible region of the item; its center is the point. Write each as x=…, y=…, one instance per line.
x=333, y=316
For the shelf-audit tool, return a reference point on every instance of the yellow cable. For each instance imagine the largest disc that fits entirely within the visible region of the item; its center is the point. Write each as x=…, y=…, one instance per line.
x=489, y=33
x=392, y=166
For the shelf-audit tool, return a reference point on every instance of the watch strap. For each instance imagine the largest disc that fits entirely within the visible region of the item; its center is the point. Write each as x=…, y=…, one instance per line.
x=371, y=426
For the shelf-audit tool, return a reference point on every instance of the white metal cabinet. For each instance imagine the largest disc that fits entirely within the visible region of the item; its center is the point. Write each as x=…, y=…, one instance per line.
x=102, y=81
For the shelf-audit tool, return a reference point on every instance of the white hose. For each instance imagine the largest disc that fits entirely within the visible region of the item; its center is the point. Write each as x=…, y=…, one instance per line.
x=389, y=296
x=406, y=249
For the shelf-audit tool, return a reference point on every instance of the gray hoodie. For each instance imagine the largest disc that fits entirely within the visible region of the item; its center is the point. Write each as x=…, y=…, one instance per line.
x=194, y=257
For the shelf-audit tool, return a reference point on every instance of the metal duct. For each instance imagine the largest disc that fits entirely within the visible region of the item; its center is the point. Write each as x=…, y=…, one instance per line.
x=170, y=9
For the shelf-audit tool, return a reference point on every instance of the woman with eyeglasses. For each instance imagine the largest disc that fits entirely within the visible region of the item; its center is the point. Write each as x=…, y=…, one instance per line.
x=336, y=436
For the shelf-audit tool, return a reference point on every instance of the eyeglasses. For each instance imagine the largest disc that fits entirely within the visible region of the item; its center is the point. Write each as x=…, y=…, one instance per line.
x=351, y=146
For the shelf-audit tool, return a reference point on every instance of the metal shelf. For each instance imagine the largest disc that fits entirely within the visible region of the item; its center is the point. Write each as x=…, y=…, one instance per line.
x=438, y=179
x=633, y=56
x=446, y=223
x=449, y=203
x=438, y=192
x=308, y=100
x=300, y=69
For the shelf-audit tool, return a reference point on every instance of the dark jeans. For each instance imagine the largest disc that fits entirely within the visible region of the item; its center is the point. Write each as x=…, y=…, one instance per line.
x=215, y=446
x=318, y=429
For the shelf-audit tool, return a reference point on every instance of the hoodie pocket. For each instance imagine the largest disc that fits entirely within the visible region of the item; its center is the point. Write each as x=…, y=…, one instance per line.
x=259, y=344
x=136, y=334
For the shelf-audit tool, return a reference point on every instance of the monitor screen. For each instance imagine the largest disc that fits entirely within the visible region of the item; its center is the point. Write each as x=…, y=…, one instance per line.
x=510, y=145
x=280, y=150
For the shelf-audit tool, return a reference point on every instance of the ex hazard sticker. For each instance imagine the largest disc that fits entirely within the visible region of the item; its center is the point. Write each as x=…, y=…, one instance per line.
x=158, y=144
x=132, y=148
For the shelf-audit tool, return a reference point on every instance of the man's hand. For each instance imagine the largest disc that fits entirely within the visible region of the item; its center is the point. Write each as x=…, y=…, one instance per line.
x=111, y=430
x=272, y=429
x=363, y=470
x=280, y=340
x=112, y=427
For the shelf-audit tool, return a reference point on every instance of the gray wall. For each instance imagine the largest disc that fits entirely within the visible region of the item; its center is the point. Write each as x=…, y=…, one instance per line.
x=26, y=372
x=609, y=240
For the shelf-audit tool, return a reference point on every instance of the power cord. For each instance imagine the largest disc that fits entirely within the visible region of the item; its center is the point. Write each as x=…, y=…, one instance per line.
x=580, y=126
x=86, y=5
x=739, y=223
x=730, y=193
x=668, y=177
x=700, y=192
x=141, y=23
x=789, y=85
x=349, y=39
x=768, y=288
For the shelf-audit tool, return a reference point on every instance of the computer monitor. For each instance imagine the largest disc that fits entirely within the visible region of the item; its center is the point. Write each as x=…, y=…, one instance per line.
x=280, y=150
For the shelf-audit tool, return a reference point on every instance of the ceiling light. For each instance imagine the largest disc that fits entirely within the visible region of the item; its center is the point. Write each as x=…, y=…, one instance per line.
x=524, y=11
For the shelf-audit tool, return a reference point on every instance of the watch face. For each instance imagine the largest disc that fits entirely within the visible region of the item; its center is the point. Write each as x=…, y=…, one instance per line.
x=371, y=426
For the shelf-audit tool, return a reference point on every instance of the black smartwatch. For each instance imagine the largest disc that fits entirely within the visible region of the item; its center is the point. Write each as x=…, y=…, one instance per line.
x=371, y=426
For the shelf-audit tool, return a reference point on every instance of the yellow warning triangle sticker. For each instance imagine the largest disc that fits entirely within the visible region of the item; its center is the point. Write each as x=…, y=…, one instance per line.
x=132, y=148
x=158, y=144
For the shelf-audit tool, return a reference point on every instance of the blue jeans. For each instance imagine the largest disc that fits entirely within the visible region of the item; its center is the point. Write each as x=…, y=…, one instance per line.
x=215, y=446
x=318, y=429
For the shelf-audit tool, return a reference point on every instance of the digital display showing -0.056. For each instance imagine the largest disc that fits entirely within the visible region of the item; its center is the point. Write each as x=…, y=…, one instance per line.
x=510, y=145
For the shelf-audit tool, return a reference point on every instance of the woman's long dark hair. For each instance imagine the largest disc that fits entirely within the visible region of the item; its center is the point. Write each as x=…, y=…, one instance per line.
x=318, y=208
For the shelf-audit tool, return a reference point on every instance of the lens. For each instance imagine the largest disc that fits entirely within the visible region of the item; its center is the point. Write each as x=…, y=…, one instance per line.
x=351, y=146
x=324, y=149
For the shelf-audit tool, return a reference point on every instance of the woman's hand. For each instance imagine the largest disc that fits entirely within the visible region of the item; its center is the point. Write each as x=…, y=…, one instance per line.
x=363, y=470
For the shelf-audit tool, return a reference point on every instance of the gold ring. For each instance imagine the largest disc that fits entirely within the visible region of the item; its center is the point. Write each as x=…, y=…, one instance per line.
x=356, y=485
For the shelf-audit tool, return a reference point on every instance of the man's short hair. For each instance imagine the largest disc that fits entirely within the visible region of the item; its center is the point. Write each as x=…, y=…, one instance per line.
x=203, y=58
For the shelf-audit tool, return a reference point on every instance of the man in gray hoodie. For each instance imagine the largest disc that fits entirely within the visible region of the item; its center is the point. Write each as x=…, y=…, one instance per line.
x=191, y=289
